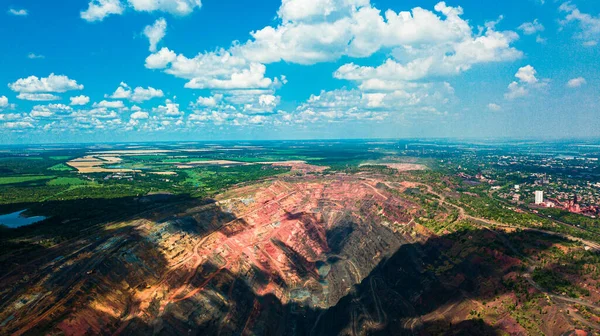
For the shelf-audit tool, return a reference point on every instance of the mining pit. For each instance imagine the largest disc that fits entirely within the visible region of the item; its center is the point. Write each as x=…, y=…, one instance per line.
x=296, y=255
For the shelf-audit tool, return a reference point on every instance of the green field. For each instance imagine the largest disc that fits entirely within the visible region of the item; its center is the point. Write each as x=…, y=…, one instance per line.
x=37, y=177
x=67, y=181
x=214, y=179
x=22, y=179
x=154, y=157
x=60, y=167
x=183, y=160
x=198, y=178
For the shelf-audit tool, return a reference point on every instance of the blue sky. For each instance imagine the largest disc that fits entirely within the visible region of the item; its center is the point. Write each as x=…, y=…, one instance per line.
x=140, y=70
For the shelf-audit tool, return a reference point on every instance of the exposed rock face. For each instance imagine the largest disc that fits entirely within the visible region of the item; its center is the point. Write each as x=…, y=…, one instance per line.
x=302, y=256
x=301, y=243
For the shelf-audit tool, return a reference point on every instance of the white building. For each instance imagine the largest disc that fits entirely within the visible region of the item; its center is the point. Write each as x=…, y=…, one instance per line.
x=539, y=197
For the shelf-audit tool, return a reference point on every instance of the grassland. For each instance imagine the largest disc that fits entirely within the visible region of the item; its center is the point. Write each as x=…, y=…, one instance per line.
x=183, y=160
x=61, y=167
x=210, y=180
x=39, y=176
x=67, y=181
x=22, y=179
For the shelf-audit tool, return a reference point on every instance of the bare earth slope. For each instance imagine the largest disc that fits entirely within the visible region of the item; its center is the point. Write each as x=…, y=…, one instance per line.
x=296, y=256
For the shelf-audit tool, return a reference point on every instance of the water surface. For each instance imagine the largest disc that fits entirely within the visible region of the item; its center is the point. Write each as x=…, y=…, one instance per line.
x=17, y=219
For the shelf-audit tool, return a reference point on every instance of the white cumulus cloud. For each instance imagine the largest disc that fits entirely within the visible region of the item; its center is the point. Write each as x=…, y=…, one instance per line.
x=122, y=92
x=37, y=96
x=342, y=104
x=587, y=24
x=18, y=12
x=298, y=10
x=46, y=111
x=99, y=9
x=527, y=80
x=18, y=124
x=156, y=32
x=515, y=91
x=35, y=56
x=211, y=101
x=422, y=44
x=457, y=58
x=41, y=114
x=80, y=100
x=494, y=107
x=50, y=110
x=169, y=109
x=138, y=95
x=141, y=94
x=576, y=82
x=530, y=28
x=175, y=7
x=527, y=74
x=160, y=59
x=326, y=30
x=212, y=70
x=139, y=115
x=52, y=83
x=268, y=100
x=116, y=104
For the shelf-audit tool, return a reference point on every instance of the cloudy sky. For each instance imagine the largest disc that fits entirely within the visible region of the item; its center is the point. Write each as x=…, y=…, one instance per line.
x=138, y=70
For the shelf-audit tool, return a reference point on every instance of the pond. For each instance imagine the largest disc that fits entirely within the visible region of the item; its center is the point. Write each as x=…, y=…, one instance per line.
x=16, y=219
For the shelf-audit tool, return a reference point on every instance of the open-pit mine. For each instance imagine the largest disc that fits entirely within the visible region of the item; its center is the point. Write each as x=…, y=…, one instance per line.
x=310, y=255
x=302, y=244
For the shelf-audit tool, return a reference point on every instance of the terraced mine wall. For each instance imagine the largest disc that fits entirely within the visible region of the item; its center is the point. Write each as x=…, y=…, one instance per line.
x=295, y=256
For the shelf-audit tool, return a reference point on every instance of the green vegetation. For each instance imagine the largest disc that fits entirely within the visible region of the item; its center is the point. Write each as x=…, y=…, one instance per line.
x=198, y=178
x=61, y=167
x=210, y=180
x=183, y=160
x=22, y=179
x=153, y=157
x=28, y=194
x=574, y=219
x=100, y=192
x=556, y=282
x=67, y=181
x=482, y=205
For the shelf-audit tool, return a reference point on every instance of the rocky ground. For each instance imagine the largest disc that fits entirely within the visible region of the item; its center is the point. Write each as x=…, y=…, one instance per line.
x=306, y=255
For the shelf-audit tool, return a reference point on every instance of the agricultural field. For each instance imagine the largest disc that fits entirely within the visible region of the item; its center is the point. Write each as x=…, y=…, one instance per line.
x=29, y=175
x=22, y=179
x=67, y=181
x=61, y=167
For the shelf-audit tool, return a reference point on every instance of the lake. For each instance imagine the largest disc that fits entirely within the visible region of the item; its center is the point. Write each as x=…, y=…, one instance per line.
x=16, y=219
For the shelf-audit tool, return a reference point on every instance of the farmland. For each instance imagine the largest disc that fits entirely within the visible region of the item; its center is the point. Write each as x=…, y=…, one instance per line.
x=22, y=179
